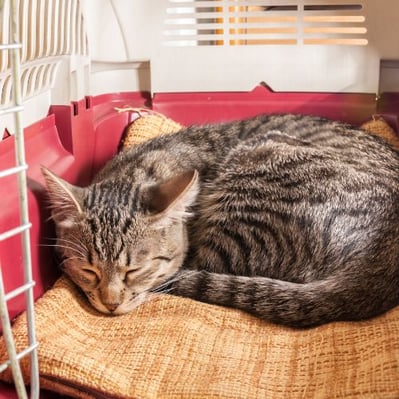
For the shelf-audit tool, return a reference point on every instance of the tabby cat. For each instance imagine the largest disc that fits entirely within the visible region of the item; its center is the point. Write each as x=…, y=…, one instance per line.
x=291, y=218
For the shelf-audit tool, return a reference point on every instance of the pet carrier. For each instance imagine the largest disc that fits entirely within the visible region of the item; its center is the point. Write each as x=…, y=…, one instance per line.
x=75, y=73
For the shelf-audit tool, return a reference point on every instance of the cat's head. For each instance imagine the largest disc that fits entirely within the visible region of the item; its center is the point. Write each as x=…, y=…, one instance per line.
x=119, y=240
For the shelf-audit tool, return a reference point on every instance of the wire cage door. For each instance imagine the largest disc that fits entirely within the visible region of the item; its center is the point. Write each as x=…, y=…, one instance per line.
x=10, y=51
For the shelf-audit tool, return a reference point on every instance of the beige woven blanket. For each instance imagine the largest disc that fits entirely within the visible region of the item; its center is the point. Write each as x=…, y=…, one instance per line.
x=176, y=348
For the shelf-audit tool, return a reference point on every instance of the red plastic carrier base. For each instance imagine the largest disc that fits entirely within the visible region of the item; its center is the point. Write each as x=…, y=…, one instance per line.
x=76, y=140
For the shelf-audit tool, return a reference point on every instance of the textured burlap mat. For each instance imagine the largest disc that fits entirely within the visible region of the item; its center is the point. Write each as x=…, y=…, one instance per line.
x=379, y=127
x=177, y=348
x=148, y=125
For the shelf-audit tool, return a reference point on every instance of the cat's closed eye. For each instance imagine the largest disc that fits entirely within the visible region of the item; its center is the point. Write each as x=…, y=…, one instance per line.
x=90, y=276
x=131, y=275
x=162, y=258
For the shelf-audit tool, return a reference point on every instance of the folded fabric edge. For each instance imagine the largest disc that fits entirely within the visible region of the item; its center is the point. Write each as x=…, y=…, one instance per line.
x=64, y=387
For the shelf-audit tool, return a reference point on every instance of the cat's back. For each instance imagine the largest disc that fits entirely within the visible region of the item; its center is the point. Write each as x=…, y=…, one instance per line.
x=311, y=190
x=204, y=147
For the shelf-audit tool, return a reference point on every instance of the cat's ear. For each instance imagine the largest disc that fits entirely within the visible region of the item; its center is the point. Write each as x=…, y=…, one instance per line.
x=64, y=198
x=172, y=198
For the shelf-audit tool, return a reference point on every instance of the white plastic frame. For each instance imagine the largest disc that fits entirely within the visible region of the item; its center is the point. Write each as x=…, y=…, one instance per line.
x=307, y=61
x=14, y=48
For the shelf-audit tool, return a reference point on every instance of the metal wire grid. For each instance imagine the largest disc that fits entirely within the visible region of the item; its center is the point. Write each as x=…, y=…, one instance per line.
x=14, y=48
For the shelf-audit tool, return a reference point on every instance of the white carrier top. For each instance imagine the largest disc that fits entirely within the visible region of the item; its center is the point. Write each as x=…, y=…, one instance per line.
x=75, y=48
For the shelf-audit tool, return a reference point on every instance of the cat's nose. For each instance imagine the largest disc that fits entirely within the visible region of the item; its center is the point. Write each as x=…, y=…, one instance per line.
x=111, y=306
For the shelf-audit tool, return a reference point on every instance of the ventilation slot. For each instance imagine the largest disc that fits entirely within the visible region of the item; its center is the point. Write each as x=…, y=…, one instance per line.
x=196, y=25
x=334, y=24
x=333, y=7
x=237, y=23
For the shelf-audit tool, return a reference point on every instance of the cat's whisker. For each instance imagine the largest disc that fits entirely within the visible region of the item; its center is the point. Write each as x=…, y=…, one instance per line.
x=82, y=254
x=79, y=255
x=72, y=244
x=51, y=238
x=60, y=246
x=61, y=264
x=167, y=286
x=78, y=251
x=157, y=293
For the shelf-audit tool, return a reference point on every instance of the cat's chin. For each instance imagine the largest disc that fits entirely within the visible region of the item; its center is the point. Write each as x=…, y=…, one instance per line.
x=131, y=306
x=124, y=308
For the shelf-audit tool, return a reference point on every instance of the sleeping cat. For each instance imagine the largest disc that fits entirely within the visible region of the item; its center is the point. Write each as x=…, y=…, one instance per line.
x=291, y=218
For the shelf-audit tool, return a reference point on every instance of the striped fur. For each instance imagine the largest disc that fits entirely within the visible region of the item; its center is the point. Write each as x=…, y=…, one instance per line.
x=295, y=220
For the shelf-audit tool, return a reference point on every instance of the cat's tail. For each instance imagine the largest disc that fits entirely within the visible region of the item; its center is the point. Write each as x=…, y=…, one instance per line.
x=293, y=304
